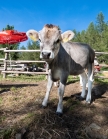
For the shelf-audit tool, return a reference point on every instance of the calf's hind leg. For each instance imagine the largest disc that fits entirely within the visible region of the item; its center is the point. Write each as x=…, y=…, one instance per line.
x=84, y=82
x=90, y=81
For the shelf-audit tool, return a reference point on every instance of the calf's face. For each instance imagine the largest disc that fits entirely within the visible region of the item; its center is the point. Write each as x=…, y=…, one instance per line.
x=50, y=38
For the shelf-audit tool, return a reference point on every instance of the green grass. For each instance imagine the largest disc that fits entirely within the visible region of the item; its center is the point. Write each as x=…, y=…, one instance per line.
x=6, y=134
x=26, y=78
x=1, y=100
x=71, y=104
x=36, y=78
x=29, y=115
x=13, y=89
x=101, y=81
x=104, y=68
x=72, y=79
x=2, y=118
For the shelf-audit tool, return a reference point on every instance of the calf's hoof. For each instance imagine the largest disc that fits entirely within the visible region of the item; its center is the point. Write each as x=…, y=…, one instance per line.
x=88, y=101
x=59, y=114
x=80, y=98
x=43, y=107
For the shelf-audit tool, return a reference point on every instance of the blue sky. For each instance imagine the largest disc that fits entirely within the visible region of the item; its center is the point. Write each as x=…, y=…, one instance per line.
x=34, y=14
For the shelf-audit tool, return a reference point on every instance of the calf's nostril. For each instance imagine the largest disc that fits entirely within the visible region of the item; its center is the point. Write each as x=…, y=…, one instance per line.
x=43, y=53
x=49, y=54
x=46, y=54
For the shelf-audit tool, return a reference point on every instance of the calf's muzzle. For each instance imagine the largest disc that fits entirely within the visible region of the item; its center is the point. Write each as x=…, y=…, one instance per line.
x=46, y=55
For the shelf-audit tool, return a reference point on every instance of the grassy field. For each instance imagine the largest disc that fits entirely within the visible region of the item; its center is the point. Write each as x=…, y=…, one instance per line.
x=26, y=78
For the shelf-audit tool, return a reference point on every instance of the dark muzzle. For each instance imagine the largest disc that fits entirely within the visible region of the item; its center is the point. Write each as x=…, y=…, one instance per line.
x=46, y=55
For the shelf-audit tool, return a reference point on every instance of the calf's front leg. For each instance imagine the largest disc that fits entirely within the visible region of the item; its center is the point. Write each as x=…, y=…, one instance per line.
x=49, y=86
x=61, y=90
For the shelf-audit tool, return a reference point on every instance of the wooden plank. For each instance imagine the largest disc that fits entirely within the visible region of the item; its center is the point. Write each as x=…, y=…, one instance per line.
x=101, y=52
x=24, y=61
x=42, y=68
x=21, y=50
x=1, y=69
x=14, y=69
x=2, y=49
x=26, y=72
x=39, y=51
x=5, y=64
x=102, y=77
x=103, y=65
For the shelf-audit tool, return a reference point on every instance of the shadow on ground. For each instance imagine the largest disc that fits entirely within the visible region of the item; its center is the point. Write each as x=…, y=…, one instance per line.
x=97, y=92
x=6, y=88
x=76, y=118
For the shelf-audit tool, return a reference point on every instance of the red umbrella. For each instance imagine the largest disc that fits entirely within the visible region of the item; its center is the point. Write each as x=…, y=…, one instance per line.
x=12, y=37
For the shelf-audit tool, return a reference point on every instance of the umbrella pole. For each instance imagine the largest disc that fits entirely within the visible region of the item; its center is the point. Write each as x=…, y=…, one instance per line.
x=9, y=56
x=5, y=63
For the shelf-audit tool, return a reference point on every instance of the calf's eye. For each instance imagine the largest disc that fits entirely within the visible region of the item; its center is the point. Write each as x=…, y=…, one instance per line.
x=40, y=40
x=58, y=41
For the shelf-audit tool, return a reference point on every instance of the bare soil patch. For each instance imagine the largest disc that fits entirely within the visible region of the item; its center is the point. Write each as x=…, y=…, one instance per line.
x=21, y=112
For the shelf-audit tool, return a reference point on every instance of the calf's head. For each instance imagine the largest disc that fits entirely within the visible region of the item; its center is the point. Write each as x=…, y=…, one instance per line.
x=50, y=38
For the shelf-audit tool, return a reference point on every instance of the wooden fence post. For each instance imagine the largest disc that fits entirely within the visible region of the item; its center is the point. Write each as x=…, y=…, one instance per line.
x=5, y=63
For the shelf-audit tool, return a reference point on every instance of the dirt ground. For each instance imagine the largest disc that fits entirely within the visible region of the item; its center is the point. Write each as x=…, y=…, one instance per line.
x=21, y=113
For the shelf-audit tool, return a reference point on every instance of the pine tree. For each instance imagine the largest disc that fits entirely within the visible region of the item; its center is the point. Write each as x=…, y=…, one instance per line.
x=100, y=23
x=96, y=35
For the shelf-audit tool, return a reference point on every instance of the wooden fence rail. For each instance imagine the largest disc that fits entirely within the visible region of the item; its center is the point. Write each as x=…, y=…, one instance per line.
x=39, y=51
x=1, y=59
x=2, y=49
x=21, y=50
x=6, y=61
x=23, y=72
x=24, y=61
x=106, y=53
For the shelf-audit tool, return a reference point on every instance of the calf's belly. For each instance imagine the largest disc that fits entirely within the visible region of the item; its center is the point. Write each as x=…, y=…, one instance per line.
x=76, y=72
x=56, y=74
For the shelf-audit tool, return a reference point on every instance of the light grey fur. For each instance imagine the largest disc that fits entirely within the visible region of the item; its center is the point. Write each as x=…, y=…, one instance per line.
x=64, y=59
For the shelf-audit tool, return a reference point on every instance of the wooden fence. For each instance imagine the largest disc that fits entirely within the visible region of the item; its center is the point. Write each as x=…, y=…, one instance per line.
x=6, y=62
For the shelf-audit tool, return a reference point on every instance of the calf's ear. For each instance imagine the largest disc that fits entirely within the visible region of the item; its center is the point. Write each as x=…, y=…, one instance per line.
x=33, y=35
x=67, y=36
